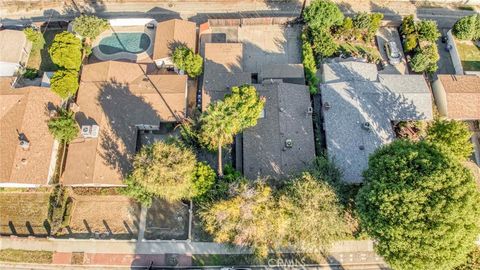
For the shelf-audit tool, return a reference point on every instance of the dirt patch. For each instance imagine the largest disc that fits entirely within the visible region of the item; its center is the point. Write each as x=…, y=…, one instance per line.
x=107, y=216
x=167, y=221
x=24, y=213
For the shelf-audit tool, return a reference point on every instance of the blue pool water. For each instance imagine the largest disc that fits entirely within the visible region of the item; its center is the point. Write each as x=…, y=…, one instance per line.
x=124, y=42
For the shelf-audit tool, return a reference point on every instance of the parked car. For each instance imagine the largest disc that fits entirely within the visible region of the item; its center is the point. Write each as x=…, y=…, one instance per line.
x=393, y=53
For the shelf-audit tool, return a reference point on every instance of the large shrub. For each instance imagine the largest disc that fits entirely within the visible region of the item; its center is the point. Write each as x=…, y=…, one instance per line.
x=427, y=31
x=322, y=14
x=36, y=37
x=89, y=26
x=420, y=205
x=425, y=59
x=467, y=28
x=203, y=179
x=323, y=43
x=64, y=83
x=66, y=51
x=63, y=126
x=309, y=65
x=455, y=135
x=185, y=59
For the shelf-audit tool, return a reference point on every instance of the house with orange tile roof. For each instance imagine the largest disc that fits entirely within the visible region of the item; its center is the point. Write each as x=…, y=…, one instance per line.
x=28, y=151
x=170, y=34
x=115, y=102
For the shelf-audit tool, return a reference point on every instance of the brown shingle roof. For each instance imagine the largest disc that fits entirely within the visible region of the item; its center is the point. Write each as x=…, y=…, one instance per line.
x=171, y=32
x=25, y=111
x=117, y=97
x=463, y=96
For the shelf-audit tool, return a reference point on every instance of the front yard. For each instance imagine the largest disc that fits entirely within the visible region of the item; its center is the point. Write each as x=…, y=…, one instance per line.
x=24, y=213
x=469, y=55
x=167, y=221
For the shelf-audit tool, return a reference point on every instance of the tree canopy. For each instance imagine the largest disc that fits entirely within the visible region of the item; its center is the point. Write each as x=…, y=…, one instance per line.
x=66, y=51
x=63, y=127
x=223, y=119
x=36, y=37
x=64, y=83
x=467, y=28
x=89, y=26
x=165, y=170
x=323, y=43
x=421, y=206
x=425, y=59
x=455, y=135
x=427, y=30
x=322, y=14
x=185, y=59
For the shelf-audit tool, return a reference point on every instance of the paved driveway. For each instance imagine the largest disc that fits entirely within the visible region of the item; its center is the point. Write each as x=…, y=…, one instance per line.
x=385, y=34
x=445, y=64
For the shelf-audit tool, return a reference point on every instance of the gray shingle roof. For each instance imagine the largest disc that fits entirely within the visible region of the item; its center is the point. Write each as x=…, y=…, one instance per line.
x=264, y=151
x=359, y=100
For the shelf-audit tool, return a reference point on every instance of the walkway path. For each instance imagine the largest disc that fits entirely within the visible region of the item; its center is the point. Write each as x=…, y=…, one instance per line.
x=143, y=222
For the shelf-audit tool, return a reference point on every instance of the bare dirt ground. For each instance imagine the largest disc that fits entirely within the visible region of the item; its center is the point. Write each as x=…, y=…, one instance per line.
x=104, y=216
x=24, y=213
x=167, y=221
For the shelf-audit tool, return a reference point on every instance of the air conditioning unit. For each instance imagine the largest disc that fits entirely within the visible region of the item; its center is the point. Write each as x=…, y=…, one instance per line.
x=94, y=131
x=90, y=131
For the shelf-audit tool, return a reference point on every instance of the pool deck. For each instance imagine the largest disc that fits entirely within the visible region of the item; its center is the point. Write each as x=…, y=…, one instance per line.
x=124, y=55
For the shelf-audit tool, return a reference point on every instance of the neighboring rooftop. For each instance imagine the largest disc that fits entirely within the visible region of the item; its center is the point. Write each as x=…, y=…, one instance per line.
x=173, y=32
x=458, y=96
x=359, y=111
x=12, y=45
x=223, y=68
x=288, y=73
x=282, y=142
x=120, y=99
x=24, y=113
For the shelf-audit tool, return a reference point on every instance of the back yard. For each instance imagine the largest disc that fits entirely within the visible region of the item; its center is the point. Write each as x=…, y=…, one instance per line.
x=469, y=55
x=41, y=59
x=24, y=213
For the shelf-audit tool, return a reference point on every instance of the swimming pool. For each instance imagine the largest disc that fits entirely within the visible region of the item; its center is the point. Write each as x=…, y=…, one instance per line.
x=136, y=42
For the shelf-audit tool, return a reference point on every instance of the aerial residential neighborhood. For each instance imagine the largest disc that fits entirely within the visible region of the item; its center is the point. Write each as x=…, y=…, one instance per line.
x=323, y=134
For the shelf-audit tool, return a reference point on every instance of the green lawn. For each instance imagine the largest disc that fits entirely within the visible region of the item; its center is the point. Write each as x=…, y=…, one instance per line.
x=41, y=59
x=25, y=256
x=469, y=55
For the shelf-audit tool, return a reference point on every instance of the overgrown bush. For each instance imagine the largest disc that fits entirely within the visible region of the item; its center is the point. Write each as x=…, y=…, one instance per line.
x=425, y=59
x=408, y=25
x=57, y=208
x=64, y=83
x=410, y=42
x=36, y=37
x=467, y=28
x=309, y=65
x=63, y=126
x=452, y=134
x=185, y=59
x=89, y=26
x=323, y=43
x=427, y=31
x=30, y=73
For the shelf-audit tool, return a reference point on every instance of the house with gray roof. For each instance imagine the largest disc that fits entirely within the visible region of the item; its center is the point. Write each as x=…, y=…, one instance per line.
x=282, y=142
x=359, y=107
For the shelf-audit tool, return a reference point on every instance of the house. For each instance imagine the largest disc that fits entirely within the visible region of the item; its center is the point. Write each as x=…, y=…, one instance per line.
x=282, y=142
x=359, y=108
x=14, y=53
x=168, y=35
x=458, y=96
x=28, y=151
x=223, y=68
x=115, y=102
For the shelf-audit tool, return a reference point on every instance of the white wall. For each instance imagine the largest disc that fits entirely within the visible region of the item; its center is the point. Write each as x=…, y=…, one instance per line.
x=8, y=69
x=457, y=63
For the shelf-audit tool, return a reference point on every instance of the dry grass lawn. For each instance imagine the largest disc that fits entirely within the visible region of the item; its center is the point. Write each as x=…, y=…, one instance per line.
x=114, y=214
x=25, y=256
x=469, y=55
x=41, y=59
x=24, y=213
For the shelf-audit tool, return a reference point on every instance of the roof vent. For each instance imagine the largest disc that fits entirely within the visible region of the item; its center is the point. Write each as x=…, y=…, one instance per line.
x=309, y=111
x=367, y=126
x=90, y=131
x=327, y=106
x=24, y=144
x=288, y=143
x=52, y=113
x=361, y=147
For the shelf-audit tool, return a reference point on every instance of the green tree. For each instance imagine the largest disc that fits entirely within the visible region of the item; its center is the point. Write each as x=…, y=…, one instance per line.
x=309, y=64
x=425, y=59
x=324, y=44
x=314, y=214
x=66, y=51
x=455, y=135
x=63, y=126
x=408, y=25
x=375, y=22
x=473, y=261
x=322, y=14
x=137, y=192
x=249, y=218
x=185, y=59
x=467, y=28
x=410, y=42
x=36, y=37
x=165, y=170
x=421, y=206
x=362, y=20
x=64, y=83
x=225, y=118
x=427, y=31
x=203, y=179
x=89, y=26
